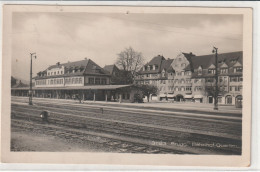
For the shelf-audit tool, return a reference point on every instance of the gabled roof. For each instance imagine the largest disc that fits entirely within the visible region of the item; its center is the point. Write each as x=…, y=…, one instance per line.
x=20, y=85
x=110, y=68
x=70, y=64
x=88, y=67
x=161, y=62
x=166, y=64
x=206, y=60
x=224, y=59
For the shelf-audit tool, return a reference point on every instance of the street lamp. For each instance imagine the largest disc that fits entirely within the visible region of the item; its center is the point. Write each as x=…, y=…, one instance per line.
x=30, y=91
x=215, y=50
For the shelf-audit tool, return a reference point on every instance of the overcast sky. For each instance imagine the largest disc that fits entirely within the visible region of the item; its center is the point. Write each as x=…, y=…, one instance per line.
x=63, y=37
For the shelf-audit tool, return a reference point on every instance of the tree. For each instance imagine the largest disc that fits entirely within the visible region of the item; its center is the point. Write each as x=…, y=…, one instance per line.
x=13, y=81
x=130, y=61
x=147, y=90
x=210, y=88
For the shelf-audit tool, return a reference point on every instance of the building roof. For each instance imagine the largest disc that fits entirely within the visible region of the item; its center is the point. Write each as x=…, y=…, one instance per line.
x=161, y=62
x=87, y=66
x=20, y=85
x=206, y=60
x=110, y=68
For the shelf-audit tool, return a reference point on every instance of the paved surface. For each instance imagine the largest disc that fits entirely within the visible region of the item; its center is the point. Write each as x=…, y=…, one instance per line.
x=172, y=130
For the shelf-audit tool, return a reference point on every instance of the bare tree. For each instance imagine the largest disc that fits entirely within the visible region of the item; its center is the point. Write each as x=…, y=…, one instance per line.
x=210, y=88
x=130, y=61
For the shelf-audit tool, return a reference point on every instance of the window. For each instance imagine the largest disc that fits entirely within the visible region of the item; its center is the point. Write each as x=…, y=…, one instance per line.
x=58, y=72
x=156, y=67
x=211, y=71
x=225, y=70
x=163, y=74
x=51, y=73
x=80, y=80
x=61, y=72
x=238, y=69
x=240, y=88
x=182, y=81
x=183, y=65
x=199, y=71
x=220, y=79
x=240, y=79
x=233, y=79
x=128, y=96
x=182, y=73
x=91, y=80
x=188, y=88
x=209, y=80
x=182, y=88
x=188, y=81
x=97, y=80
x=123, y=96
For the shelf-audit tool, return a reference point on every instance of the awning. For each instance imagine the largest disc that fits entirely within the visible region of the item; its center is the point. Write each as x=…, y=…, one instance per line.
x=162, y=95
x=188, y=96
x=198, y=97
x=88, y=87
x=170, y=95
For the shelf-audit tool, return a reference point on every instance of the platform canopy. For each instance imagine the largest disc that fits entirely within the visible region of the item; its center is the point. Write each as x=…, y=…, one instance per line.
x=88, y=87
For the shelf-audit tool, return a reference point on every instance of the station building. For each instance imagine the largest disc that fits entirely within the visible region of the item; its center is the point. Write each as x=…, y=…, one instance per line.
x=80, y=79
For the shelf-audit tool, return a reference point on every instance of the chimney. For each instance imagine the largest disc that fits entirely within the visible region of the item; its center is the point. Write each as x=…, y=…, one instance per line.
x=86, y=58
x=58, y=63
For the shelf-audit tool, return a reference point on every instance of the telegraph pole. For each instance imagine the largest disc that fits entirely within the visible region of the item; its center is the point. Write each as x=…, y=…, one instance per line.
x=215, y=50
x=30, y=91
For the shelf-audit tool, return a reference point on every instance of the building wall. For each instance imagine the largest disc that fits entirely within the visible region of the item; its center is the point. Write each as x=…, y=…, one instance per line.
x=182, y=79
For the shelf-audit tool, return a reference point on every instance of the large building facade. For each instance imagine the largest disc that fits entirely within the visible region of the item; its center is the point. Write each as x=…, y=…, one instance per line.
x=158, y=72
x=192, y=78
x=82, y=79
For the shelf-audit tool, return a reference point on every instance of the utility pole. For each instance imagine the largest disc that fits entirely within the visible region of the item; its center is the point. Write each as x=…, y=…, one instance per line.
x=30, y=91
x=215, y=50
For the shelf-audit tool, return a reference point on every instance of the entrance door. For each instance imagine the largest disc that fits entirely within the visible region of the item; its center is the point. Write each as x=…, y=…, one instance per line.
x=210, y=99
x=228, y=100
x=179, y=98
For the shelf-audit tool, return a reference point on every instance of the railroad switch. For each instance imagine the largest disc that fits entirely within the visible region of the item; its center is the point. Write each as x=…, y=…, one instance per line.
x=44, y=116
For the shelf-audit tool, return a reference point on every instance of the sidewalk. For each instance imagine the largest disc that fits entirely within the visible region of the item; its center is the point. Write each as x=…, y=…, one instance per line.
x=159, y=105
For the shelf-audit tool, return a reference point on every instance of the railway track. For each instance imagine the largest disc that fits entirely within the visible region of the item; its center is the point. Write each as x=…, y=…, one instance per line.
x=202, y=125
x=131, y=130
x=111, y=144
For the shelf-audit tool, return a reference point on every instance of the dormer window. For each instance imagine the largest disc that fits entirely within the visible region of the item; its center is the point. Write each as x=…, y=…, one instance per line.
x=58, y=72
x=238, y=69
x=200, y=70
x=224, y=70
x=61, y=72
x=156, y=67
x=211, y=71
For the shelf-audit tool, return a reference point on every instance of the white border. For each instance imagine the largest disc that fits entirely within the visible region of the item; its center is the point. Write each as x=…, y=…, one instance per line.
x=255, y=165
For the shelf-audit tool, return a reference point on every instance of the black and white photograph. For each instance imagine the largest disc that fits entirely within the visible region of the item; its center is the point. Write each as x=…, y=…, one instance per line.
x=128, y=81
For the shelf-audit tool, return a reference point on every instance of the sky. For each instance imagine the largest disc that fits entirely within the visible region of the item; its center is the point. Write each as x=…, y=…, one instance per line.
x=63, y=37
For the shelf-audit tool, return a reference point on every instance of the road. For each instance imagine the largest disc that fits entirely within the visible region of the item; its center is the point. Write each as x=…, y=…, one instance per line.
x=133, y=129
